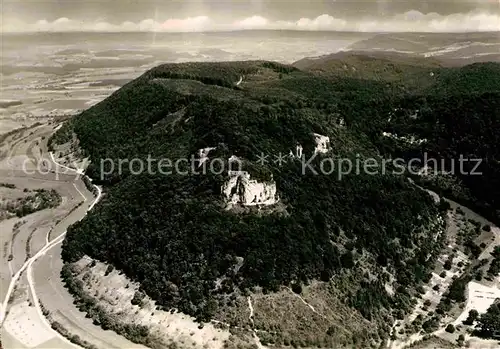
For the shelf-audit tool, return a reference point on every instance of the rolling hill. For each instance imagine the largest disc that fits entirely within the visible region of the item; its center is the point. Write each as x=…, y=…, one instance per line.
x=359, y=242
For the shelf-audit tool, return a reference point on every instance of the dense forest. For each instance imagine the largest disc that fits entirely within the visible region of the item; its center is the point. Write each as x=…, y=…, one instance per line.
x=182, y=246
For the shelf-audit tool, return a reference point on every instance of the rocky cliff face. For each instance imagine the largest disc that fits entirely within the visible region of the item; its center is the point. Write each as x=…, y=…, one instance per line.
x=203, y=154
x=322, y=143
x=240, y=189
x=298, y=152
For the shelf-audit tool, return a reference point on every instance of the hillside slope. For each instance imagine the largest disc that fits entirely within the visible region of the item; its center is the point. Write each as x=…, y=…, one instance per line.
x=455, y=109
x=199, y=243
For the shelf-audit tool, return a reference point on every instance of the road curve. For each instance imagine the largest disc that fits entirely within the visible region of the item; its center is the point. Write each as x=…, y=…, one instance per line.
x=48, y=246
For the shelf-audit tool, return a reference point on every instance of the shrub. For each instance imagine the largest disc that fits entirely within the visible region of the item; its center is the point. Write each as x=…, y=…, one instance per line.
x=479, y=276
x=109, y=269
x=447, y=264
x=450, y=328
x=297, y=287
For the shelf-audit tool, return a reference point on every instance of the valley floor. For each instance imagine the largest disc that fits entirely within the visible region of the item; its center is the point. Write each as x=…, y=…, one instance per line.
x=31, y=253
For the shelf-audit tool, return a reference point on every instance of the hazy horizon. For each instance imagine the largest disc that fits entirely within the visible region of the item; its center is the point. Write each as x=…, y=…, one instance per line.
x=207, y=15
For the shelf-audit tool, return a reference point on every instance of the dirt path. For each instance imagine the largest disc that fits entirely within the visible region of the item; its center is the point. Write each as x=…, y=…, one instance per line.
x=306, y=303
x=250, y=317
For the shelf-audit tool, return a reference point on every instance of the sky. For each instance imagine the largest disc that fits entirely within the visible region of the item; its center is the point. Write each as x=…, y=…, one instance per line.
x=199, y=15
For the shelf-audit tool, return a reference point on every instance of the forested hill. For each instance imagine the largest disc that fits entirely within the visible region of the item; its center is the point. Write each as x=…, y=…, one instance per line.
x=455, y=109
x=365, y=228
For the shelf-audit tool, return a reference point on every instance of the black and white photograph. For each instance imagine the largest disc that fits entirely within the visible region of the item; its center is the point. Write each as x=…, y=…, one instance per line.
x=249, y=174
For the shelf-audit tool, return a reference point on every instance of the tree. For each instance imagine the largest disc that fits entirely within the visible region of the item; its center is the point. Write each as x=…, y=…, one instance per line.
x=444, y=205
x=487, y=227
x=447, y=264
x=297, y=287
x=479, y=275
x=496, y=252
x=431, y=325
x=450, y=328
x=347, y=260
x=489, y=322
x=473, y=315
x=137, y=299
x=109, y=269
x=457, y=289
x=331, y=331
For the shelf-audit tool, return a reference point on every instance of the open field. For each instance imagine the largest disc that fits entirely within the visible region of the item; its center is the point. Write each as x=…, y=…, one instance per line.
x=57, y=300
x=26, y=235
x=114, y=292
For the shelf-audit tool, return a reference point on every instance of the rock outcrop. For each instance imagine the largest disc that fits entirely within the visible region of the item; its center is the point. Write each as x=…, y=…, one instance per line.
x=322, y=143
x=203, y=154
x=406, y=139
x=298, y=152
x=240, y=189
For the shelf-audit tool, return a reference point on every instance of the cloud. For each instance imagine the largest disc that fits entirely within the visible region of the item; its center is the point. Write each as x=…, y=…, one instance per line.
x=411, y=21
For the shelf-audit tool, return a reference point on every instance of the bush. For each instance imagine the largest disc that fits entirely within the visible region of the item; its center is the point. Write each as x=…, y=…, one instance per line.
x=297, y=287
x=450, y=328
x=109, y=269
x=487, y=227
x=479, y=276
x=137, y=299
x=447, y=264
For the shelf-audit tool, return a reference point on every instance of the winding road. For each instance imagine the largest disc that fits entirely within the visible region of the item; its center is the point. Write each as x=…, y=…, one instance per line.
x=22, y=167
